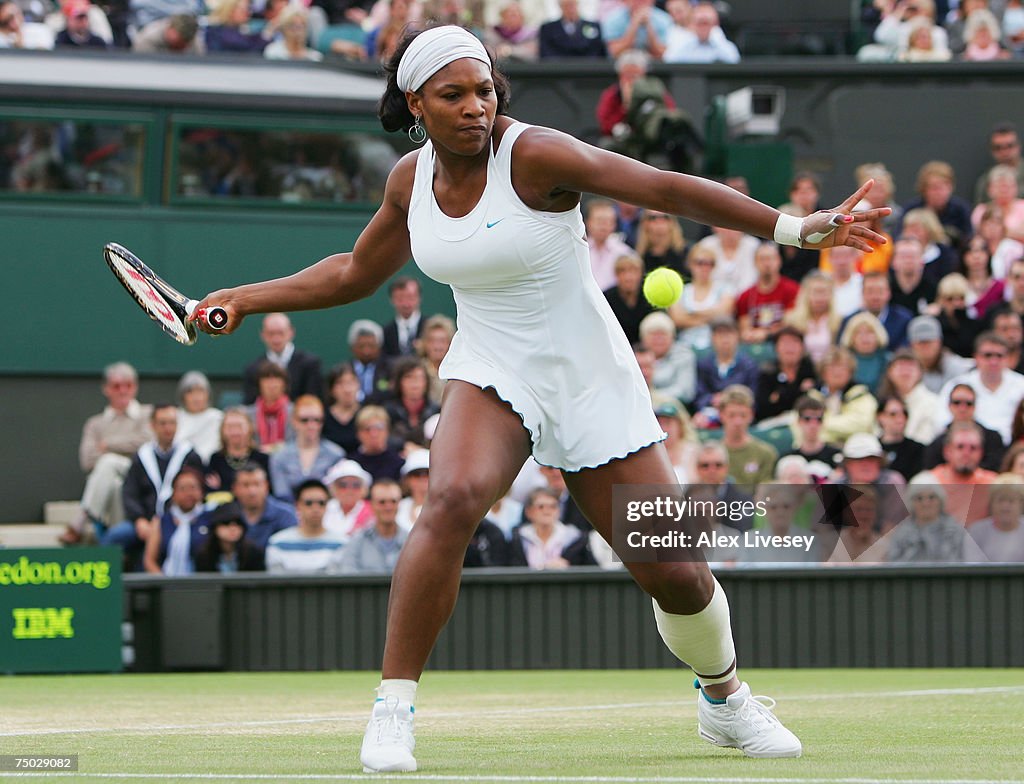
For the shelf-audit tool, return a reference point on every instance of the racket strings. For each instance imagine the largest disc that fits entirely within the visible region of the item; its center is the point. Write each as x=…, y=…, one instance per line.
x=150, y=299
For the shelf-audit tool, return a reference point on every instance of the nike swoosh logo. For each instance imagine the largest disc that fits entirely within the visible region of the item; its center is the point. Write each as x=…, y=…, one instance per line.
x=495, y=223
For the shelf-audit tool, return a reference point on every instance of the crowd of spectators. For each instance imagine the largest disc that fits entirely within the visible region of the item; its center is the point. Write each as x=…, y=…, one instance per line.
x=896, y=373
x=672, y=31
x=891, y=369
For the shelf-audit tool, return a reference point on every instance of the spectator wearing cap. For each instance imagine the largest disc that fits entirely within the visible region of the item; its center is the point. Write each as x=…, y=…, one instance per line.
x=761, y=308
x=376, y=548
x=1000, y=536
x=375, y=453
x=725, y=366
x=961, y=473
x=930, y=534
x=302, y=368
x=864, y=464
x=365, y=342
x=680, y=440
x=751, y=460
x=821, y=457
x=348, y=511
x=999, y=390
x=262, y=514
x=308, y=456
x=963, y=403
x=415, y=475
x=307, y=547
x=177, y=34
x=673, y=361
x=226, y=548
x=938, y=363
x=849, y=407
x=628, y=305
x=198, y=421
x=76, y=32
x=780, y=384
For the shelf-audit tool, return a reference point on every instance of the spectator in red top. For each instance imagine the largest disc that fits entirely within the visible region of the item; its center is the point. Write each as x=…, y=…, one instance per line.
x=760, y=308
x=613, y=104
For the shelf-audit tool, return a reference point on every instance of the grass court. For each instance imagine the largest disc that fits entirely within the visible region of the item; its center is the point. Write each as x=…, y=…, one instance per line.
x=857, y=726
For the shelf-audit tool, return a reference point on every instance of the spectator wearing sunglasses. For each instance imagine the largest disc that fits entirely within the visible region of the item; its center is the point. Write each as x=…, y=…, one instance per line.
x=308, y=456
x=998, y=389
x=348, y=511
x=962, y=404
x=307, y=547
x=821, y=458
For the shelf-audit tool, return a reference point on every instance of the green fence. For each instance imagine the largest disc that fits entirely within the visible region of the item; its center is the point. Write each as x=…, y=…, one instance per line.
x=585, y=618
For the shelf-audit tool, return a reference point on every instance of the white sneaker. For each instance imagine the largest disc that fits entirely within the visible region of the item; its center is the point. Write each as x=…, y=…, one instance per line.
x=389, y=741
x=747, y=723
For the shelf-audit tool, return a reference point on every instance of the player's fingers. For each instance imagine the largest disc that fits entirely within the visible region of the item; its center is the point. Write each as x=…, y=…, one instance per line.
x=851, y=201
x=862, y=216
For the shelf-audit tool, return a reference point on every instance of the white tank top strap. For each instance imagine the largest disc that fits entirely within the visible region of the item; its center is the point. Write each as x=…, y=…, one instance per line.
x=423, y=180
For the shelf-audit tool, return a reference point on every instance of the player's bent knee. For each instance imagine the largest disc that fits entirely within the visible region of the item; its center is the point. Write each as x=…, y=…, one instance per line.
x=456, y=507
x=684, y=588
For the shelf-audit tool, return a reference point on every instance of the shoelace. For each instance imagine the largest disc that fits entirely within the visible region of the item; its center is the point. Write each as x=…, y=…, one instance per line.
x=758, y=711
x=389, y=726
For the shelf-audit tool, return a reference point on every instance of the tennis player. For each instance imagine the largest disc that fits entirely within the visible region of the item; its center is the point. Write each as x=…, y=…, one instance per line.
x=490, y=206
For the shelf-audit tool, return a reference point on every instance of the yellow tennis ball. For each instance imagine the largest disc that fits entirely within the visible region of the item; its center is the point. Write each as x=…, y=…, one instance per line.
x=662, y=287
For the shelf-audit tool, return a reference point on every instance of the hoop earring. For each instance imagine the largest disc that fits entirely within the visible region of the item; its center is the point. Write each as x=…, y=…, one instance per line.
x=417, y=133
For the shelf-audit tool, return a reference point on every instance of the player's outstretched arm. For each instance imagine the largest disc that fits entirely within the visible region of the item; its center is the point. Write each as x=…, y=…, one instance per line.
x=555, y=162
x=381, y=250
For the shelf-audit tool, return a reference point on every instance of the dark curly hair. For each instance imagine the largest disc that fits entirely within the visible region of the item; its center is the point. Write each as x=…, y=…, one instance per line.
x=393, y=109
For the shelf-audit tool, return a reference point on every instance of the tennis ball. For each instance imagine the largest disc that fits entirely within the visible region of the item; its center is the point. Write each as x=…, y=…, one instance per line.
x=662, y=287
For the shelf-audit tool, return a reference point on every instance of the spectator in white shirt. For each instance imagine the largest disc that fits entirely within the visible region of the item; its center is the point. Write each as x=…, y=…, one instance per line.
x=847, y=283
x=998, y=389
x=703, y=42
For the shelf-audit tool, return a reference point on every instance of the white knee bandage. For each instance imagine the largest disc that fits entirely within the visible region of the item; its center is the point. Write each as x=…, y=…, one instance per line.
x=703, y=641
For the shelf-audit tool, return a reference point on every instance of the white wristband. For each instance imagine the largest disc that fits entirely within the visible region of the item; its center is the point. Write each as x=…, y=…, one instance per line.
x=787, y=230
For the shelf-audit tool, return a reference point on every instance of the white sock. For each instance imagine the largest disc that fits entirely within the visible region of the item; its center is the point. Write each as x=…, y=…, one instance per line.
x=404, y=690
x=702, y=641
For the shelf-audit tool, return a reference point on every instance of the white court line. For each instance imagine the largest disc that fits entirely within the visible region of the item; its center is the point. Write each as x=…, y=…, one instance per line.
x=514, y=779
x=506, y=712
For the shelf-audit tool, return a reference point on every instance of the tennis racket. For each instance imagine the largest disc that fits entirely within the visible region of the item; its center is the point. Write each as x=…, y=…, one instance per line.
x=167, y=306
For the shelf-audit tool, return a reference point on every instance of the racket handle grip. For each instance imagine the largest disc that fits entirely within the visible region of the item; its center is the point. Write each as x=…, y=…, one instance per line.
x=216, y=318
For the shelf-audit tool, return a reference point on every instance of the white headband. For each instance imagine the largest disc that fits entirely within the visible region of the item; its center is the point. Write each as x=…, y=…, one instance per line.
x=432, y=50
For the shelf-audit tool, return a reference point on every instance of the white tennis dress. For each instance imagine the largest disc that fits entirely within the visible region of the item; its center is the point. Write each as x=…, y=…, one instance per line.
x=532, y=322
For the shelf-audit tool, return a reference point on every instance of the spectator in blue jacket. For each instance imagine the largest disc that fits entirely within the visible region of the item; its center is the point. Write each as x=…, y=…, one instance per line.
x=723, y=367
